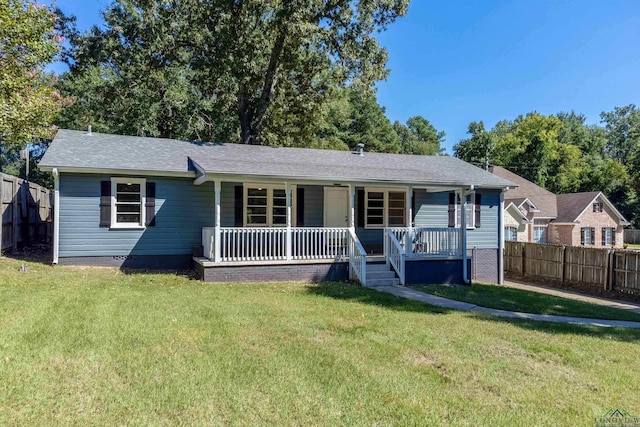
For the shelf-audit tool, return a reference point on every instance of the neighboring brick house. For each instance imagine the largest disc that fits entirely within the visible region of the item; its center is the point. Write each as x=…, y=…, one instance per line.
x=588, y=219
x=533, y=214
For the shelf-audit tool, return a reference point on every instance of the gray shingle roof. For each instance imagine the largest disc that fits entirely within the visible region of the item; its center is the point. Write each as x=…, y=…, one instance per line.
x=76, y=150
x=544, y=200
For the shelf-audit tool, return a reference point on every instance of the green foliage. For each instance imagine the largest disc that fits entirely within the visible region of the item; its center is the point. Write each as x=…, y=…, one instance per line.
x=28, y=100
x=564, y=154
x=254, y=71
x=419, y=136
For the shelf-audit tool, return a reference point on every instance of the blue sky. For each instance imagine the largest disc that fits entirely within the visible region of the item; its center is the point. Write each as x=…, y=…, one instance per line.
x=455, y=62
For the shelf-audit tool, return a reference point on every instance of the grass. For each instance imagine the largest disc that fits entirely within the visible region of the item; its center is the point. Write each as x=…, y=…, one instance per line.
x=90, y=346
x=503, y=298
x=632, y=246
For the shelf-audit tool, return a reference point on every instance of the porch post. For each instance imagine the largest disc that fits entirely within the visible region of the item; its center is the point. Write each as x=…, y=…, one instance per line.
x=501, y=240
x=287, y=190
x=352, y=206
x=463, y=234
x=217, y=243
x=409, y=210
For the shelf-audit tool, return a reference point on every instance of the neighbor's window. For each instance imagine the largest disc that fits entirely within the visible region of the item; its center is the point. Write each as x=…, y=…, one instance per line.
x=597, y=207
x=510, y=234
x=385, y=208
x=607, y=236
x=128, y=197
x=266, y=205
x=539, y=231
x=587, y=236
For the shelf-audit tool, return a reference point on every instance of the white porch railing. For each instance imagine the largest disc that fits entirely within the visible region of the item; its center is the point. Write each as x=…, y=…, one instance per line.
x=319, y=243
x=357, y=259
x=425, y=242
x=270, y=244
x=394, y=254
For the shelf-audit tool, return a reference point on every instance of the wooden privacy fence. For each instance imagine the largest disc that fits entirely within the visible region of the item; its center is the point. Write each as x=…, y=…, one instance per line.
x=26, y=210
x=631, y=236
x=590, y=268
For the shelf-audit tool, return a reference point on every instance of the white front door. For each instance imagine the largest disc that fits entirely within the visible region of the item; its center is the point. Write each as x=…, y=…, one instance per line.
x=336, y=207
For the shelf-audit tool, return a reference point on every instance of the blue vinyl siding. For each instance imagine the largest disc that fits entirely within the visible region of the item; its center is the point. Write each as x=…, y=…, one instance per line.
x=432, y=211
x=182, y=209
x=227, y=203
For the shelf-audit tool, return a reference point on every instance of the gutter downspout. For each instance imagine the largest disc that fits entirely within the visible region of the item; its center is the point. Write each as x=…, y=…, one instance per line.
x=463, y=233
x=56, y=215
x=501, y=240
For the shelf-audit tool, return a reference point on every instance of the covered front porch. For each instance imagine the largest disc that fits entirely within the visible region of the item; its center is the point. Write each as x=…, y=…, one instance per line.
x=341, y=217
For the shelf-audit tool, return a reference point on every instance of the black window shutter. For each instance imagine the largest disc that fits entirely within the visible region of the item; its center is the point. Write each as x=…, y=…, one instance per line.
x=150, y=205
x=360, y=208
x=452, y=209
x=413, y=209
x=105, y=203
x=604, y=236
x=238, y=206
x=593, y=236
x=477, y=207
x=300, y=207
x=582, y=236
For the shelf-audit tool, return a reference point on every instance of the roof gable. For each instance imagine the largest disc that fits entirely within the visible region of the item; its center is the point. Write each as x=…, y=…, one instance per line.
x=543, y=200
x=572, y=206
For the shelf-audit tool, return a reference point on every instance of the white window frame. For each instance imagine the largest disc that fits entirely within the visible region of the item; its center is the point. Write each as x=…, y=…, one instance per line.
x=600, y=207
x=610, y=237
x=515, y=233
x=270, y=206
x=385, y=206
x=143, y=199
x=471, y=207
x=545, y=231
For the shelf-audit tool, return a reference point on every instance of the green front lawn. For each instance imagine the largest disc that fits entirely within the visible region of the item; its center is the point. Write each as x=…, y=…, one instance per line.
x=90, y=346
x=503, y=298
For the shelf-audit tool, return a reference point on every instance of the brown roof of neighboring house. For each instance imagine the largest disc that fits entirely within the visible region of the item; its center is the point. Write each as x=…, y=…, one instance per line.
x=544, y=200
x=571, y=206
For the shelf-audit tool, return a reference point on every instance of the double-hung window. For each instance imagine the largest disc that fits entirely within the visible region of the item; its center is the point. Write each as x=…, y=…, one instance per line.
x=510, y=234
x=385, y=208
x=607, y=236
x=470, y=210
x=266, y=205
x=587, y=236
x=127, y=202
x=598, y=207
x=539, y=231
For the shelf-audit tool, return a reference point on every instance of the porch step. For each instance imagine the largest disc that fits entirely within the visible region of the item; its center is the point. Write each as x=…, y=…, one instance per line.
x=373, y=283
x=381, y=274
x=377, y=267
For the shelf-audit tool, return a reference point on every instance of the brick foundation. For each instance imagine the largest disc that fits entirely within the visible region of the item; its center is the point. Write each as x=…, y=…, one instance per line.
x=484, y=265
x=143, y=262
x=275, y=273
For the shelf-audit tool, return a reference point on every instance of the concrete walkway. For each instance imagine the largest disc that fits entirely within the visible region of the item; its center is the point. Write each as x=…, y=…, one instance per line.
x=563, y=293
x=412, y=294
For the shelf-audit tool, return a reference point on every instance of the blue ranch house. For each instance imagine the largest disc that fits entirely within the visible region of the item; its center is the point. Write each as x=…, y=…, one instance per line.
x=257, y=213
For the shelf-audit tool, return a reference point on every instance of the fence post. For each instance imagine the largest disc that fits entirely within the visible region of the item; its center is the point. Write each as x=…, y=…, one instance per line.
x=15, y=210
x=522, y=255
x=562, y=263
x=1, y=208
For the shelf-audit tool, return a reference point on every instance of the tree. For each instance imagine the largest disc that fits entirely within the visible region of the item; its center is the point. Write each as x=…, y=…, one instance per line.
x=28, y=100
x=248, y=70
x=478, y=147
x=623, y=131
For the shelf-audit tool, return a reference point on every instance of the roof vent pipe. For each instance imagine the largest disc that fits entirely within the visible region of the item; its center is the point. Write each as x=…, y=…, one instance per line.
x=89, y=130
x=360, y=149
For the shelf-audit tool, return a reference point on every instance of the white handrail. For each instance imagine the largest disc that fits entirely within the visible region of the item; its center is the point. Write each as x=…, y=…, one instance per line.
x=357, y=259
x=394, y=254
x=426, y=242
